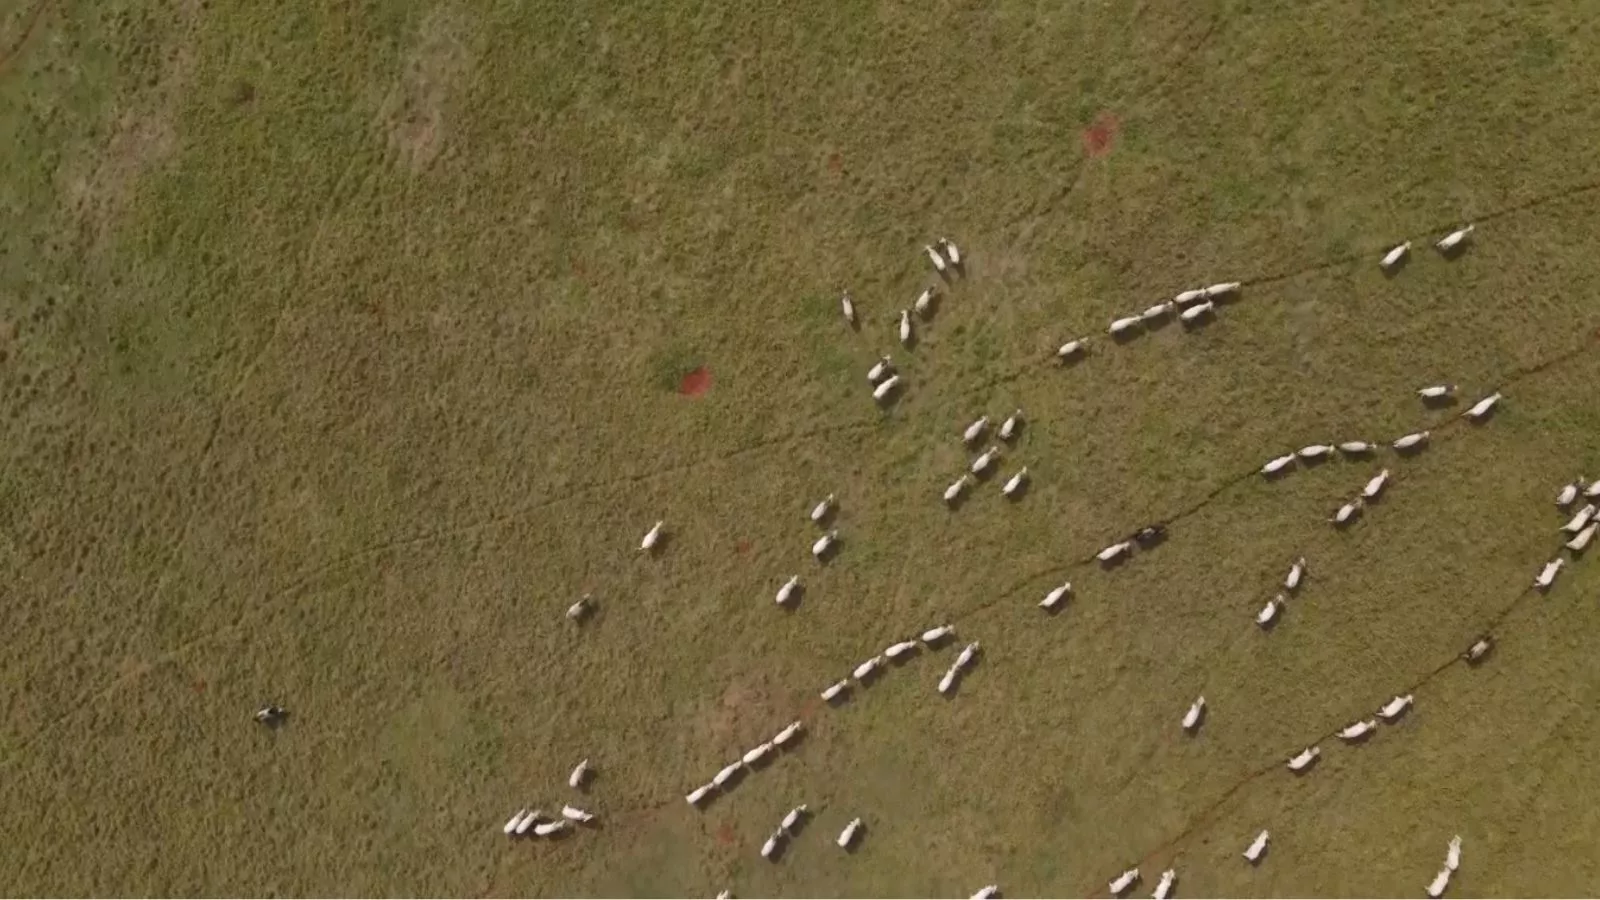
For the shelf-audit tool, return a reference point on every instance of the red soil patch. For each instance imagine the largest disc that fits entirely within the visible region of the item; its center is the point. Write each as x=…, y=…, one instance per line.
x=199, y=686
x=743, y=546
x=695, y=383
x=810, y=707
x=1101, y=134
x=725, y=835
x=835, y=162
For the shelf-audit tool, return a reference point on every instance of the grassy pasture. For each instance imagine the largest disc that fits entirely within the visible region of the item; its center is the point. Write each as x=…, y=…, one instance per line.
x=338, y=353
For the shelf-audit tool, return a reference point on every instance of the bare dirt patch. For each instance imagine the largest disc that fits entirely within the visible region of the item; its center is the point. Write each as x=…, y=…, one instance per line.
x=742, y=710
x=144, y=136
x=1101, y=134
x=695, y=383
x=414, y=116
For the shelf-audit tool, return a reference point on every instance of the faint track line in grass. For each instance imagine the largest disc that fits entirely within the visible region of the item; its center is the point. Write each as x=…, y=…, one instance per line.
x=252, y=364
x=32, y=20
x=1065, y=192
x=336, y=566
x=754, y=446
x=571, y=493
x=243, y=623
x=1209, y=812
x=1513, y=378
x=1177, y=64
x=1024, y=369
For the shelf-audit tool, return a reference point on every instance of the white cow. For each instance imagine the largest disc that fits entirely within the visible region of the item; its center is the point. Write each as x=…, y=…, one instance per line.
x=1303, y=760
x=653, y=536
x=1257, y=847
x=580, y=774
x=1453, y=240
x=1395, y=708
x=1393, y=257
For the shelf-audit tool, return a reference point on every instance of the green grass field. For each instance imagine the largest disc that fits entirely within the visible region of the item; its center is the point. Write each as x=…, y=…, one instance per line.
x=339, y=353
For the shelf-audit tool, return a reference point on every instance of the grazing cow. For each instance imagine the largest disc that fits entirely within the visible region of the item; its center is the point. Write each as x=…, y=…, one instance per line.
x=1278, y=464
x=1008, y=428
x=1481, y=408
x=1451, y=241
x=1395, y=708
x=787, y=591
x=819, y=513
x=580, y=775
x=652, y=537
x=1303, y=760
x=1480, y=648
x=848, y=835
x=1297, y=572
x=1015, y=482
x=1257, y=848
